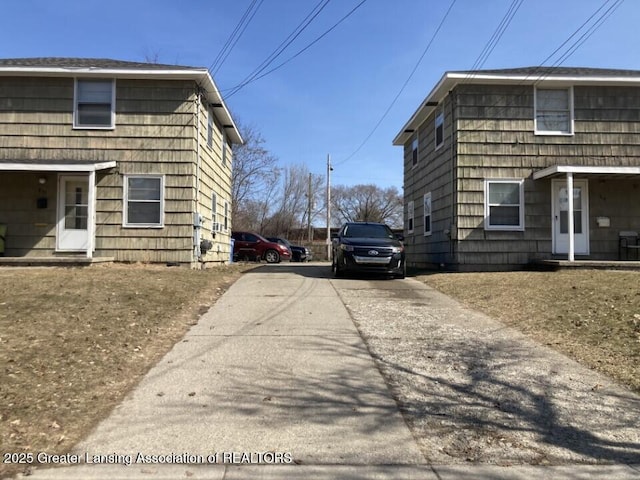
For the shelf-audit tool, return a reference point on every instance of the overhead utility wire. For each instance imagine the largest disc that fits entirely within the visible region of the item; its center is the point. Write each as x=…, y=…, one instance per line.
x=282, y=47
x=590, y=31
x=239, y=34
x=384, y=115
x=568, y=52
x=236, y=33
x=299, y=52
x=497, y=36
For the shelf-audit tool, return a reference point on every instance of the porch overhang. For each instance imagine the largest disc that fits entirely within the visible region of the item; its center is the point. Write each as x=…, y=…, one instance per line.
x=568, y=171
x=557, y=170
x=54, y=166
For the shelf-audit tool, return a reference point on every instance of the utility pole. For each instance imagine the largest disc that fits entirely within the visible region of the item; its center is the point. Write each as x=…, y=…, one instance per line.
x=329, y=169
x=309, y=208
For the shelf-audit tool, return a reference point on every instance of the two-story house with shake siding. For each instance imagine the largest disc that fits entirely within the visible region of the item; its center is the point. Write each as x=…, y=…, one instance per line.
x=106, y=159
x=490, y=156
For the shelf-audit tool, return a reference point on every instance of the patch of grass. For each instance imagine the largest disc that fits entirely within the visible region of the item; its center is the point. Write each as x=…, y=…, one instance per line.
x=74, y=341
x=592, y=316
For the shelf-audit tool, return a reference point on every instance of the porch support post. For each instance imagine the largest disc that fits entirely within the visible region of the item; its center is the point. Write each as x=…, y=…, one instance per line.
x=570, y=216
x=91, y=214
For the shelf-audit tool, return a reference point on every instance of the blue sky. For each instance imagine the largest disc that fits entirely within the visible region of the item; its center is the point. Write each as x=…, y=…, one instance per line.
x=329, y=99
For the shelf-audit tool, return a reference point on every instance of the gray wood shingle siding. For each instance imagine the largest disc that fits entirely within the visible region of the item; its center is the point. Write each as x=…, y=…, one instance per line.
x=492, y=129
x=154, y=134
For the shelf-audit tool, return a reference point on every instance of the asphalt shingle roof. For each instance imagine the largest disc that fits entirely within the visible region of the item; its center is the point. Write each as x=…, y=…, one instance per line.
x=63, y=62
x=557, y=71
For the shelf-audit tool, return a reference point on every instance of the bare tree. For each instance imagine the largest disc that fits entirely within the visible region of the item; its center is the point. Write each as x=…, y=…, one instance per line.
x=367, y=203
x=292, y=212
x=254, y=179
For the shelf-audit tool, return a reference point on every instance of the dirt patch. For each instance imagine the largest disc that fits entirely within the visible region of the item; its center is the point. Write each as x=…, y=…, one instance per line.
x=592, y=316
x=74, y=341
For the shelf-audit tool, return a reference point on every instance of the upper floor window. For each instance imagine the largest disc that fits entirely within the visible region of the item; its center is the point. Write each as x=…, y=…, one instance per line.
x=427, y=214
x=210, y=127
x=414, y=152
x=439, y=129
x=143, y=201
x=224, y=148
x=554, y=111
x=94, y=103
x=410, y=216
x=504, y=205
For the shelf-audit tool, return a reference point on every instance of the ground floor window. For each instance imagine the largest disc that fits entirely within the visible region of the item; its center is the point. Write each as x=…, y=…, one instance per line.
x=143, y=200
x=427, y=214
x=410, y=217
x=226, y=216
x=504, y=205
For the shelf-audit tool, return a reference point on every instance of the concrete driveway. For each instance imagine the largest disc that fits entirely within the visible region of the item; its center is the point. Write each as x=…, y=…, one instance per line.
x=277, y=365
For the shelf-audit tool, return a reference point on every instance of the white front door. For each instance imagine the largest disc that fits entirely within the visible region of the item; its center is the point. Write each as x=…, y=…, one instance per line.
x=580, y=217
x=73, y=213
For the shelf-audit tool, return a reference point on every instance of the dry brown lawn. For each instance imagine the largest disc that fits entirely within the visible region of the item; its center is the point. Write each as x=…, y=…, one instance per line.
x=592, y=316
x=74, y=341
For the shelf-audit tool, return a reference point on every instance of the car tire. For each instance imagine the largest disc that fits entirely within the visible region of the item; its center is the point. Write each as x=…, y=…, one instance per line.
x=337, y=271
x=271, y=256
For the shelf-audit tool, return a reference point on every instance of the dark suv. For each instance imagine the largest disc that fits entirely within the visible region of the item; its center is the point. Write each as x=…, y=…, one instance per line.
x=367, y=247
x=298, y=253
x=251, y=246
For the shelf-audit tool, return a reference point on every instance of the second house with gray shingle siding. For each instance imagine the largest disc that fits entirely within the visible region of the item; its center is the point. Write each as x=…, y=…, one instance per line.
x=490, y=156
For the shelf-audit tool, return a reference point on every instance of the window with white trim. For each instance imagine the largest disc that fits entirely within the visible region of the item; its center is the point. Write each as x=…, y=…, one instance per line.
x=214, y=212
x=439, y=129
x=226, y=215
x=554, y=111
x=427, y=214
x=209, y=127
x=143, y=200
x=410, y=216
x=94, y=103
x=414, y=151
x=504, y=205
x=224, y=148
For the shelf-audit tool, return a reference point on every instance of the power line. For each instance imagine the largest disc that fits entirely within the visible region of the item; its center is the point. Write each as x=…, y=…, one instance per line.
x=303, y=49
x=497, y=35
x=237, y=33
x=282, y=47
x=384, y=115
x=228, y=47
x=540, y=73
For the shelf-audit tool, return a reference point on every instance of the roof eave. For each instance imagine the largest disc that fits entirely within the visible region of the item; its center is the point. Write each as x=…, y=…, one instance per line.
x=451, y=79
x=199, y=75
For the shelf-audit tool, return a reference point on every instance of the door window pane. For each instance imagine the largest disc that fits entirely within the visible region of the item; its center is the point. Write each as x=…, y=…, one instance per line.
x=76, y=205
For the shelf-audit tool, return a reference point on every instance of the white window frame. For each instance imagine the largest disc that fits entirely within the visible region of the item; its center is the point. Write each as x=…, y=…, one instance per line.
x=570, y=112
x=427, y=196
x=210, y=126
x=215, y=226
x=411, y=220
x=224, y=148
x=76, y=101
x=125, y=203
x=439, y=125
x=415, y=150
x=487, y=205
x=226, y=216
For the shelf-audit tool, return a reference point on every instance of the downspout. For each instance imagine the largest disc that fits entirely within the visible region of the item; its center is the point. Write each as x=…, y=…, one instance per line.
x=453, y=228
x=197, y=218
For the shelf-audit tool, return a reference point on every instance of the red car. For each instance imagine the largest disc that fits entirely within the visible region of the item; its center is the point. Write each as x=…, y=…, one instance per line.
x=251, y=246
